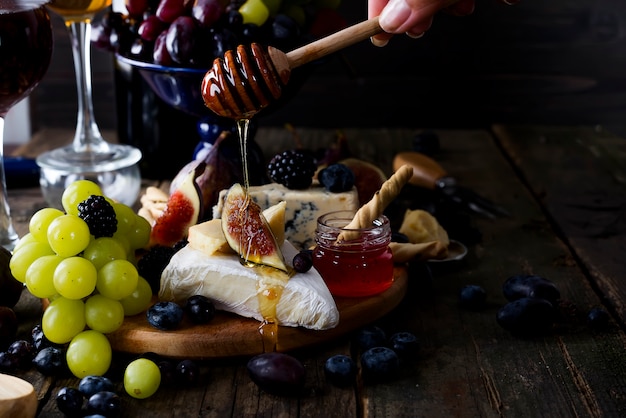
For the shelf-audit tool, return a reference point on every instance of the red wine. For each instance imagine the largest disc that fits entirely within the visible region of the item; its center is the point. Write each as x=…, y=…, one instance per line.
x=25, y=49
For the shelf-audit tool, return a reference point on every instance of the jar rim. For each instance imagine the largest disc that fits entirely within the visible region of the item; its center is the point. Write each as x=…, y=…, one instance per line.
x=346, y=216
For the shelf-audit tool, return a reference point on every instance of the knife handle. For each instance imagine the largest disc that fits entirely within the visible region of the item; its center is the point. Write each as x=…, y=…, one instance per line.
x=426, y=171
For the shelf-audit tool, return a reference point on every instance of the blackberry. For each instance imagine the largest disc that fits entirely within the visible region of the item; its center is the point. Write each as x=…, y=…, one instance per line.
x=294, y=169
x=99, y=216
x=152, y=263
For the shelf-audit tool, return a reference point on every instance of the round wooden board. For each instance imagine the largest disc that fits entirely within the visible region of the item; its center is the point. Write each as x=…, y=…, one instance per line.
x=230, y=335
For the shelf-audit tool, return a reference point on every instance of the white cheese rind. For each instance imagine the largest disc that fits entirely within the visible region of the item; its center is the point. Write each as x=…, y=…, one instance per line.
x=303, y=208
x=305, y=302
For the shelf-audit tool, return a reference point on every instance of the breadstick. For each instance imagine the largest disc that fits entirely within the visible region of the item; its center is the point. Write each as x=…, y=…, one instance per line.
x=372, y=210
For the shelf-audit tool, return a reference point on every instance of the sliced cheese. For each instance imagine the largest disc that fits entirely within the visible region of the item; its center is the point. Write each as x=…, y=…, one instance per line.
x=303, y=207
x=420, y=226
x=305, y=300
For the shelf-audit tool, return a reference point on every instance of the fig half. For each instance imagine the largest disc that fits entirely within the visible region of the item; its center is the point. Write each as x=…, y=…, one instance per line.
x=248, y=232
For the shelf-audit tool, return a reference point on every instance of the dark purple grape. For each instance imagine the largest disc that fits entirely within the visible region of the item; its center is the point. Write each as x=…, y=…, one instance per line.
x=370, y=336
x=8, y=362
x=404, y=343
x=50, y=361
x=340, y=370
x=136, y=8
x=24, y=352
x=303, y=261
x=39, y=338
x=472, y=297
x=223, y=41
x=90, y=385
x=531, y=286
x=151, y=28
x=169, y=10
x=277, y=373
x=8, y=325
x=168, y=372
x=179, y=40
x=285, y=31
x=207, y=12
x=200, y=309
x=187, y=372
x=526, y=316
x=160, y=54
x=234, y=20
x=165, y=315
x=70, y=401
x=379, y=364
x=104, y=403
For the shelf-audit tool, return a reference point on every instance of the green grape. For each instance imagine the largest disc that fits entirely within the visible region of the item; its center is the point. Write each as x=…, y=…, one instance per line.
x=139, y=300
x=117, y=279
x=272, y=6
x=142, y=378
x=254, y=11
x=22, y=259
x=104, y=249
x=103, y=314
x=76, y=193
x=75, y=278
x=28, y=238
x=89, y=354
x=140, y=236
x=39, y=222
x=63, y=319
x=68, y=235
x=39, y=276
x=125, y=219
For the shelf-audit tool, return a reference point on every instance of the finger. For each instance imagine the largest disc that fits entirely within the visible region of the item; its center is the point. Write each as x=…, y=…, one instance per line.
x=400, y=16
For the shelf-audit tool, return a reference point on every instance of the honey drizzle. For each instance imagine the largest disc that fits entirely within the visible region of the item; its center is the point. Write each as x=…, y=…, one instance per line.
x=268, y=296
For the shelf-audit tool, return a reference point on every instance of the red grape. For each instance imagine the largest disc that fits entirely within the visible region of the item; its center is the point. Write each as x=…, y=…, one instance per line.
x=151, y=28
x=169, y=10
x=207, y=12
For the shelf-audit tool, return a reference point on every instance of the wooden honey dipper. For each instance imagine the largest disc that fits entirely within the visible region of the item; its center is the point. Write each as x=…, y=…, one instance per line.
x=250, y=78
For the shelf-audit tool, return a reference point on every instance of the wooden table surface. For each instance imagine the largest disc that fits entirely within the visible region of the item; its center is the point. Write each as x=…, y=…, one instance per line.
x=564, y=188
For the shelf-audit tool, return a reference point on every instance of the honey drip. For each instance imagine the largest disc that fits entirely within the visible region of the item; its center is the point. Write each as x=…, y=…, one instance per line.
x=268, y=294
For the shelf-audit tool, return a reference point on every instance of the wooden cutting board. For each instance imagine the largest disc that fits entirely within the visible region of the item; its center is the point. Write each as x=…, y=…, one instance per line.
x=230, y=335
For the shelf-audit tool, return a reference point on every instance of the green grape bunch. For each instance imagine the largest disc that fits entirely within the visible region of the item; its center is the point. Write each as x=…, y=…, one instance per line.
x=82, y=261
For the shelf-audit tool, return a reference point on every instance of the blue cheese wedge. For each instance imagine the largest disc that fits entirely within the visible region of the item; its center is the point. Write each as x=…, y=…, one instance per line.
x=305, y=300
x=303, y=208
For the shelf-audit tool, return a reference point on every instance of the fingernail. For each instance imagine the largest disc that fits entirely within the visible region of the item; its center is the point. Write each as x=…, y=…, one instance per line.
x=393, y=15
x=379, y=42
x=415, y=35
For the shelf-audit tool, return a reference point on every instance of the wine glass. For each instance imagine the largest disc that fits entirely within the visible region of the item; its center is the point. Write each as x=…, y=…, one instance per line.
x=89, y=156
x=25, y=53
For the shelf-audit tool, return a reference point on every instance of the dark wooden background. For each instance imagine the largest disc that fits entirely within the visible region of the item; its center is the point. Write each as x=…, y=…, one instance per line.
x=558, y=62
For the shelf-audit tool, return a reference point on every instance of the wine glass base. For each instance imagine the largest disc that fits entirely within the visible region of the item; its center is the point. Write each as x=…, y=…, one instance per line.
x=116, y=171
x=8, y=237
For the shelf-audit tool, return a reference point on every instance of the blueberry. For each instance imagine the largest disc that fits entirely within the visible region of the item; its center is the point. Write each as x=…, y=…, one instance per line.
x=472, y=297
x=165, y=315
x=532, y=286
x=340, y=370
x=526, y=316
x=104, y=403
x=200, y=309
x=50, y=361
x=303, y=261
x=90, y=385
x=370, y=336
x=426, y=142
x=598, y=319
x=336, y=178
x=403, y=343
x=70, y=401
x=379, y=364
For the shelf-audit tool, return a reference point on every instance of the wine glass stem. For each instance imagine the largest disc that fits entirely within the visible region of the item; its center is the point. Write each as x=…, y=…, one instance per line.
x=87, y=137
x=8, y=236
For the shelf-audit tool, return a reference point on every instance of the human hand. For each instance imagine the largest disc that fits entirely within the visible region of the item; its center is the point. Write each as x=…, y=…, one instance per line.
x=414, y=17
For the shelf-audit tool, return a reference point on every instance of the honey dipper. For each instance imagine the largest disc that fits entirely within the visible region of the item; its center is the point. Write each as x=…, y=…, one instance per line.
x=250, y=78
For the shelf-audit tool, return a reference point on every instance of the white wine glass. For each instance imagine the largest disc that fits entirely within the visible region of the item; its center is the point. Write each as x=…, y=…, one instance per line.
x=89, y=156
x=25, y=51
